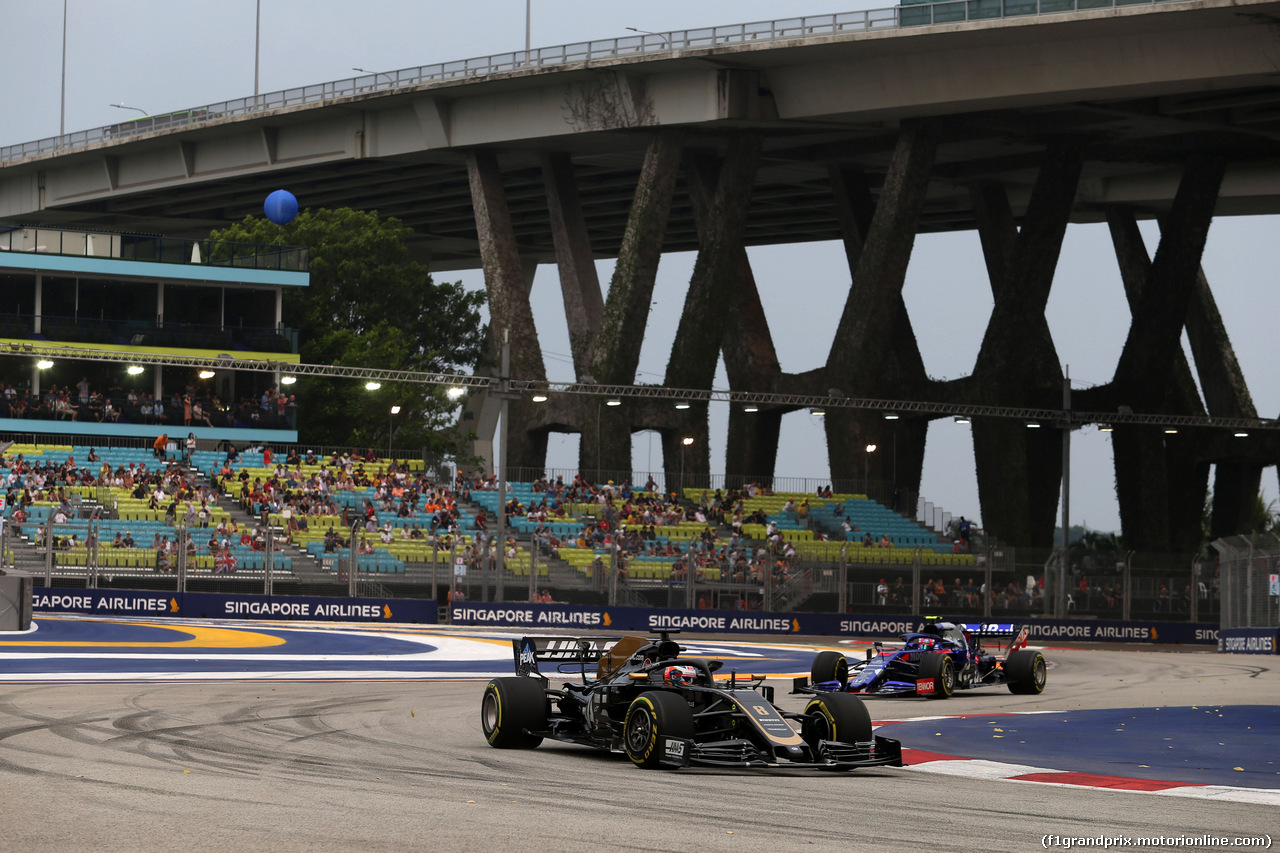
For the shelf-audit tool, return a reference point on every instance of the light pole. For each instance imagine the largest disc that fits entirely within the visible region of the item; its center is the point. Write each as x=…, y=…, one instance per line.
x=62, y=121
x=391, y=426
x=686, y=441
x=376, y=75
x=871, y=448
x=1061, y=609
x=123, y=107
x=611, y=403
x=649, y=33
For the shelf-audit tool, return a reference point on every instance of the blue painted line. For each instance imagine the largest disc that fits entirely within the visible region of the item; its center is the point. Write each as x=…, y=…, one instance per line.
x=1202, y=745
x=97, y=648
x=143, y=667
x=115, y=637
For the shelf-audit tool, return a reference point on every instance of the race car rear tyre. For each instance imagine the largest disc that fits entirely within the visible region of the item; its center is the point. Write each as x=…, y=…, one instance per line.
x=652, y=718
x=1026, y=671
x=940, y=668
x=830, y=666
x=510, y=709
x=838, y=717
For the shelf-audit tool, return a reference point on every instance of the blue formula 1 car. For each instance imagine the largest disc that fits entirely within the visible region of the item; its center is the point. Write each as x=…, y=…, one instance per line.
x=936, y=661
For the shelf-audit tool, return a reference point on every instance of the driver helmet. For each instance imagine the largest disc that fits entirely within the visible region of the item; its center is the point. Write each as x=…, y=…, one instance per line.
x=680, y=676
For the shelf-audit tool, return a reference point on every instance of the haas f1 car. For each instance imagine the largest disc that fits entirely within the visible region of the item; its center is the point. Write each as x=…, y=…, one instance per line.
x=940, y=659
x=636, y=695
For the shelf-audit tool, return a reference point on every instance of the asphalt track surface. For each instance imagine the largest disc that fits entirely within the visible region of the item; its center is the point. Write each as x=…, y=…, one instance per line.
x=229, y=736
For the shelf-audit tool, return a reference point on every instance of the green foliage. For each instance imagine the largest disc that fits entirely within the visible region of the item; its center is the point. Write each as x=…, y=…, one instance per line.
x=1263, y=519
x=1094, y=550
x=370, y=305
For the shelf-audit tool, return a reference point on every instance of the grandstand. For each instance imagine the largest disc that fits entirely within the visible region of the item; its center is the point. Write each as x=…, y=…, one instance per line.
x=394, y=539
x=582, y=545
x=99, y=517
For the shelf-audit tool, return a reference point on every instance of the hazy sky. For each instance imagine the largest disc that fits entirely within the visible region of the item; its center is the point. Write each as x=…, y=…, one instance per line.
x=163, y=55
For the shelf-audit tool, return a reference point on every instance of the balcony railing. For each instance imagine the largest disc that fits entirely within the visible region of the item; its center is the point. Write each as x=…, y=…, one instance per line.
x=143, y=247
x=148, y=333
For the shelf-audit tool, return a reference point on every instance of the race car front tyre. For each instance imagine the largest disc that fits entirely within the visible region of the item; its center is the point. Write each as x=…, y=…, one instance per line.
x=1026, y=671
x=830, y=666
x=838, y=717
x=652, y=718
x=938, y=671
x=510, y=709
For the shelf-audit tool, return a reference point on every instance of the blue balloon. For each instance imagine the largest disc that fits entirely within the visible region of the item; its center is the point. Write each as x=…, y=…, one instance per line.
x=281, y=207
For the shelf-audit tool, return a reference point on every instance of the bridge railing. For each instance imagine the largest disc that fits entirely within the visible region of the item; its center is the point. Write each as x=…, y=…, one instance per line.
x=911, y=15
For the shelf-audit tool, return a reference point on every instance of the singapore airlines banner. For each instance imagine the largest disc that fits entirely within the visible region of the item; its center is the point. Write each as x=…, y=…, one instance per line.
x=203, y=605
x=585, y=619
x=872, y=626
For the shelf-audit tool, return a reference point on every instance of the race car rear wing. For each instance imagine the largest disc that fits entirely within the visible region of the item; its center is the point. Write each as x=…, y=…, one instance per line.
x=530, y=651
x=1017, y=635
x=606, y=653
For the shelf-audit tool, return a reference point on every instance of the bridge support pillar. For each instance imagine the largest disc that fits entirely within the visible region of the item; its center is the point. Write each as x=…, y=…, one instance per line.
x=695, y=351
x=1020, y=469
x=1159, y=483
x=875, y=351
x=579, y=283
x=509, y=308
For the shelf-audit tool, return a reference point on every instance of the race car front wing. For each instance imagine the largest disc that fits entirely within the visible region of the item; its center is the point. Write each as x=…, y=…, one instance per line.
x=831, y=755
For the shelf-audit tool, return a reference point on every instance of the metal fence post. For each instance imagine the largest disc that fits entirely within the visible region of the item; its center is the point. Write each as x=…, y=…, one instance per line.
x=613, y=574
x=986, y=587
x=1128, y=589
x=1195, y=590
x=1248, y=622
x=181, y=535
x=533, y=569
x=915, y=584
x=842, y=599
x=91, y=552
x=768, y=586
x=268, y=548
x=353, y=557
x=500, y=572
x=48, y=551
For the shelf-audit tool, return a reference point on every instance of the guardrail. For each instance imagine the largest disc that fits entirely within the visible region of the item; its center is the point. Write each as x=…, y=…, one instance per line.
x=645, y=43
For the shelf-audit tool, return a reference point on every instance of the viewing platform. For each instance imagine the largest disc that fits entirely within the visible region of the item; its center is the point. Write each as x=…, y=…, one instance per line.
x=121, y=294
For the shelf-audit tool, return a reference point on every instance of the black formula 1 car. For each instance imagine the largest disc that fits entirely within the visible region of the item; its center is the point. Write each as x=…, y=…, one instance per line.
x=637, y=695
x=941, y=658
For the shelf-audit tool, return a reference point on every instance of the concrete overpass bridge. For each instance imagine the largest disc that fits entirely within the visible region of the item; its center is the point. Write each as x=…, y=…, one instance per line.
x=847, y=127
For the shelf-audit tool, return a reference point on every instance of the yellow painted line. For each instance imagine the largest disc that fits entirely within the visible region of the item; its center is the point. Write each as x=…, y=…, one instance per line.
x=205, y=638
x=437, y=635
x=195, y=352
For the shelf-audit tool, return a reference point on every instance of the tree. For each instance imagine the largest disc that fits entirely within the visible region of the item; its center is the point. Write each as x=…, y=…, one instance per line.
x=369, y=305
x=1095, y=551
x=1263, y=519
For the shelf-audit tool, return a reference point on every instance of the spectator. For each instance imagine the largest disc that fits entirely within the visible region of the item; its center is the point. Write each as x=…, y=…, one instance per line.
x=899, y=593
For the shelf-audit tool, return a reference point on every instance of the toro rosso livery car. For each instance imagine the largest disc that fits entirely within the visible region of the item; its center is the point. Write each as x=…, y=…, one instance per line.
x=638, y=696
x=940, y=659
